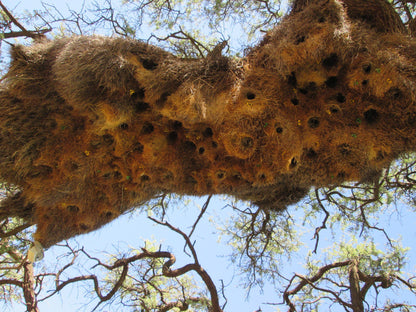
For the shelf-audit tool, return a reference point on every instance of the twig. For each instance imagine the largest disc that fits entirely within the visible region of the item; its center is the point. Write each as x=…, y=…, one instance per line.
x=194, y=267
x=309, y=281
x=204, y=208
x=323, y=226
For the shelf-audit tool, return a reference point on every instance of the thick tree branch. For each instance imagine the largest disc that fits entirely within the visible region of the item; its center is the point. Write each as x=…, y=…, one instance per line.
x=30, y=33
x=10, y=281
x=15, y=231
x=355, y=293
x=29, y=287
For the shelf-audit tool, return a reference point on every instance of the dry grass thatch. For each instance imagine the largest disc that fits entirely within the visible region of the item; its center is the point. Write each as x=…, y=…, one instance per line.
x=93, y=126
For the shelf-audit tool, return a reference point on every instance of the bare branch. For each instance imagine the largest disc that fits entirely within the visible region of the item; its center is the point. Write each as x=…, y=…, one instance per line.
x=323, y=226
x=195, y=267
x=309, y=281
x=16, y=230
x=203, y=210
x=10, y=281
x=35, y=34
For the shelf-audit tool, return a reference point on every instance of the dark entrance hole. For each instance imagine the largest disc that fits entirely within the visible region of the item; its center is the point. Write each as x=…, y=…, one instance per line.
x=331, y=82
x=149, y=64
x=313, y=122
x=330, y=61
x=371, y=116
x=250, y=96
x=147, y=128
x=247, y=142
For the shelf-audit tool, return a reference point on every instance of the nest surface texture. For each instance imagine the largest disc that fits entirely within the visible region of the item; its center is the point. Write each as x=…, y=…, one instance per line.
x=91, y=127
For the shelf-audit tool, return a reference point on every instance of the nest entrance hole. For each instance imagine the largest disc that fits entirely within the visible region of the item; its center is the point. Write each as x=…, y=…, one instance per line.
x=313, y=122
x=147, y=128
x=341, y=98
x=149, y=64
x=220, y=174
x=73, y=208
x=172, y=137
x=247, y=142
x=189, y=146
x=293, y=163
x=138, y=147
x=208, y=132
x=144, y=178
x=332, y=82
x=140, y=107
x=371, y=116
x=250, y=96
x=367, y=68
x=330, y=61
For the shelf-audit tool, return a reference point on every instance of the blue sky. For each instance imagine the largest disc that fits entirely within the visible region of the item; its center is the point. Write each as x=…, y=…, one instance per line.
x=133, y=229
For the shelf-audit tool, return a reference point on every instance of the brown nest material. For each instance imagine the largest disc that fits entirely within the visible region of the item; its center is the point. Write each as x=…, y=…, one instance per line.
x=91, y=127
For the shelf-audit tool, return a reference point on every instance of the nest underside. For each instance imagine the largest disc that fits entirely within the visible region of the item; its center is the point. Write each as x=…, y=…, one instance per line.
x=91, y=127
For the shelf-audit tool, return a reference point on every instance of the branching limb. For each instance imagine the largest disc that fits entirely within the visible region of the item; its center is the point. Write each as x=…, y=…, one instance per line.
x=309, y=281
x=35, y=34
x=323, y=226
x=15, y=231
x=194, y=267
x=27, y=286
x=203, y=210
x=357, y=284
x=183, y=35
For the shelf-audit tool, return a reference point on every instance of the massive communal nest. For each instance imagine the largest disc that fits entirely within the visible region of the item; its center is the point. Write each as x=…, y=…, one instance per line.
x=92, y=126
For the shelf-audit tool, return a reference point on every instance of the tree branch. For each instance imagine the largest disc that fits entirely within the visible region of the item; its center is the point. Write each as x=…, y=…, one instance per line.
x=15, y=231
x=10, y=281
x=24, y=32
x=195, y=267
x=355, y=293
x=29, y=287
x=323, y=226
x=309, y=281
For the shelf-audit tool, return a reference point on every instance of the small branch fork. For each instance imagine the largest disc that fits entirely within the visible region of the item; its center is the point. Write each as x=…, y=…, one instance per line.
x=356, y=211
x=26, y=284
x=200, y=48
x=190, y=267
x=32, y=285
x=356, y=291
x=323, y=226
x=35, y=34
x=124, y=264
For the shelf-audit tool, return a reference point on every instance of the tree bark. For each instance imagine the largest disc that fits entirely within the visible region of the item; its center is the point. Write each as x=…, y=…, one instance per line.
x=354, y=279
x=29, y=288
